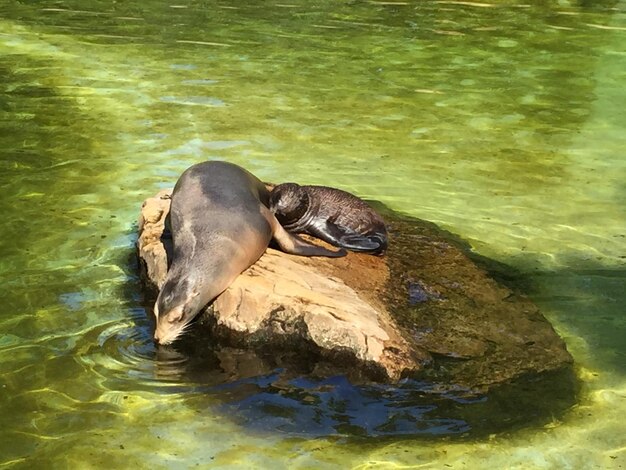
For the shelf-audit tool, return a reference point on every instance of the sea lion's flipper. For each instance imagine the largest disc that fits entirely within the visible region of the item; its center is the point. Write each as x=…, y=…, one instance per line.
x=351, y=240
x=365, y=243
x=295, y=245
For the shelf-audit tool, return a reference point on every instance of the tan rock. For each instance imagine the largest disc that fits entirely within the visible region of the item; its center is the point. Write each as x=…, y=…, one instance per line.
x=151, y=246
x=425, y=309
x=286, y=299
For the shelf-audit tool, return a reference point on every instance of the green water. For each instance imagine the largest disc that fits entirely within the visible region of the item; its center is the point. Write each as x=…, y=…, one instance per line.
x=502, y=122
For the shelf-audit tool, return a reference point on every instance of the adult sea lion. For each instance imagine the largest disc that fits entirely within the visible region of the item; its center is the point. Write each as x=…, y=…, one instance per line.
x=220, y=224
x=335, y=216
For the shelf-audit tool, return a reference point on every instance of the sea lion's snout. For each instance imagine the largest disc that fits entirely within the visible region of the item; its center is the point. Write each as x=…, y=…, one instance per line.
x=163, y=336
x=157, y=338
x=170, y=326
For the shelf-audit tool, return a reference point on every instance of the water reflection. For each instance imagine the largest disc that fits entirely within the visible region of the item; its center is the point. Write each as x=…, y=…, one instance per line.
x=286, y=393
x=307, y=407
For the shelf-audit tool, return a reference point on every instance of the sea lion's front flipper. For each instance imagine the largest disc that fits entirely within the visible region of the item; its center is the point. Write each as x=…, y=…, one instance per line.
x=341, y=237
x=294, y=245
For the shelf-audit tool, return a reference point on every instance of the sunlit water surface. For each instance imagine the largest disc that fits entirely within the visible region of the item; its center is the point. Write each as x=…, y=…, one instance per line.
x=502, y=122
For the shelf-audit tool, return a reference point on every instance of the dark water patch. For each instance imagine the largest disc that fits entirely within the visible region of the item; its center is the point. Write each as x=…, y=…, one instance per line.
x=289, y=395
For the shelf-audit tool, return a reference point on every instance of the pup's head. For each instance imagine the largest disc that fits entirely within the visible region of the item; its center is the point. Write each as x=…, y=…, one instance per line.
x=289, y=202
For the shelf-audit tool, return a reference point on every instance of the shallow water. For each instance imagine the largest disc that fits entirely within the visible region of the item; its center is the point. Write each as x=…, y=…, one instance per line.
x=502, y=122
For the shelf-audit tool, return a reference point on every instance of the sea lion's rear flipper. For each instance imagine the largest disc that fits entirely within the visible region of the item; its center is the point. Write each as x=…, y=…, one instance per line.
x=365, y=243
x=349, y=239
x=295, y=245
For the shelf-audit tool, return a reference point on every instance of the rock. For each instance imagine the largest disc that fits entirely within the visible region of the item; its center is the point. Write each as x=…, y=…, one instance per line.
x=424, y=310
x=154, y=242
x=479, y=332
x=291, y=301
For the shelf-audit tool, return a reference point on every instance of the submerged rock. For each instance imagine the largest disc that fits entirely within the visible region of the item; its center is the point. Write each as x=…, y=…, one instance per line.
x=424, y=310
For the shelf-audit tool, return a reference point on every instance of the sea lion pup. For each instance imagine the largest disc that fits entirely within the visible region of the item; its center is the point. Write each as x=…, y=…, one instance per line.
x=335, y=216
x=220, y=224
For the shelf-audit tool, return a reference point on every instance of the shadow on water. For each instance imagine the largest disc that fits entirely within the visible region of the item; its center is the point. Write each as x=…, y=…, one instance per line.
x=278, y=393
x=288, y=393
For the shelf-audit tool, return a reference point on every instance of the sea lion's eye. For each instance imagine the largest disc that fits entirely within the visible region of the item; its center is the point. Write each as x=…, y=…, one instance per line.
x=176, y=317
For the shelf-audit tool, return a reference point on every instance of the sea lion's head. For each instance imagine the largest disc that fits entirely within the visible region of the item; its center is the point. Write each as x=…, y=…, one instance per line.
x=289, y=202
x=177, y=304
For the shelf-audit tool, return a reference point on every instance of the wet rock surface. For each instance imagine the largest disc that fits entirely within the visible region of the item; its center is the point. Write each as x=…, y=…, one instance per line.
x=479, y=332
x=425, y=310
